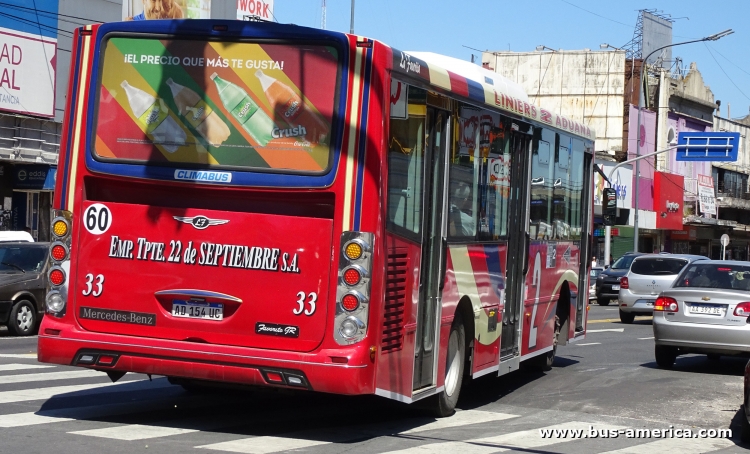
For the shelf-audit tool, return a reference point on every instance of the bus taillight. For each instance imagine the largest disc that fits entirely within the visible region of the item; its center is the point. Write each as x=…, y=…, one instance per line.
x=353, y=290
x=59, y=263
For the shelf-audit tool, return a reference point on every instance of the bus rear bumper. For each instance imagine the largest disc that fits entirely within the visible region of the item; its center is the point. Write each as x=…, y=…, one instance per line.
x=59, y=343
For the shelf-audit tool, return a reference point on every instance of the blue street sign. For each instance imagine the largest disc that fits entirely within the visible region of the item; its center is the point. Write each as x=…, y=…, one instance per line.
x=707, y=146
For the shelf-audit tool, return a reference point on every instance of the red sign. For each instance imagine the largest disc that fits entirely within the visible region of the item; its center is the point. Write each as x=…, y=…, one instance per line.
x=668, y=200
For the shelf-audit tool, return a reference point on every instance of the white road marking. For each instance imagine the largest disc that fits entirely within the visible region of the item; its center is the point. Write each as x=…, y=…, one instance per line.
x=307, y=439
x=614, y=330
x=677, y=446
x=590, y=343
x=28, y=419
x=524, y=439
x=645, y=338
x=133, y=432
x=16, y=366
x=25, y=395
x=18, y=355
x=44, y=376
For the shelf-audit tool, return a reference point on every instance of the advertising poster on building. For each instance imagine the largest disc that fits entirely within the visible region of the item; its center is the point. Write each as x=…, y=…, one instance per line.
x=668, y=200
x=706, y=196
x=28, y=57
x=166, y=9
x=255, y=8
x=622, y=181
x=229, y=104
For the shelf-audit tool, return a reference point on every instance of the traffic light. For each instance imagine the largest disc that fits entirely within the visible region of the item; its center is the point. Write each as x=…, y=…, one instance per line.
x=609, y=207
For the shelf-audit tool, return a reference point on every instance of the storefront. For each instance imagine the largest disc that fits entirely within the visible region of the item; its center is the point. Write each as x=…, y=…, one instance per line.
x=30, y=204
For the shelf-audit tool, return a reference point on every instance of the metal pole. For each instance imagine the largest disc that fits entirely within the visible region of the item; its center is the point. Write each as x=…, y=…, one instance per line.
x=641, y=97
x=351, y=22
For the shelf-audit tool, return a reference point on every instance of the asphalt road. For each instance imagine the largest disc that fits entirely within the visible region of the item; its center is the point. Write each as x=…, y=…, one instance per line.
x=607, y=382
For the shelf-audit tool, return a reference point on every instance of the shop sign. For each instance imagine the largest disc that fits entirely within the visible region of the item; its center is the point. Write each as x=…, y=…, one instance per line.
x=260, y=8
x=39, y=177
x=28, y=55
x=706, y=195
x=689, y=233
x=668, y=200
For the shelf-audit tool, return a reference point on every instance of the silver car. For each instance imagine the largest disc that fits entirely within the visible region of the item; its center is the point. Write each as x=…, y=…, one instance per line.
x=647, y=277
x=706, y=311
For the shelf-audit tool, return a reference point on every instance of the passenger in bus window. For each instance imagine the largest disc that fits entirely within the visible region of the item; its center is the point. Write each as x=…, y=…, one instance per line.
x=461, y=219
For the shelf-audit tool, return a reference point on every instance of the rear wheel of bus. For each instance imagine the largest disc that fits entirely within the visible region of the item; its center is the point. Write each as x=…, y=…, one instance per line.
x=444, y=403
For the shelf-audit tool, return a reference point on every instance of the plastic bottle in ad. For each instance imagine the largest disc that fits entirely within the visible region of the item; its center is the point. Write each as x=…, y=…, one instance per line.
x=154, y=115
x=245, y=110
x=289, y=106
x=199, y=114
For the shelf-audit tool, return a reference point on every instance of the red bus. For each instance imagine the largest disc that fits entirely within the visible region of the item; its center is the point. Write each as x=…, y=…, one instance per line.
x=273, y=205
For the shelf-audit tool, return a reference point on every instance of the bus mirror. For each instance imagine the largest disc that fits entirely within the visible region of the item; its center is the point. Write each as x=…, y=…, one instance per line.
x=609, y=208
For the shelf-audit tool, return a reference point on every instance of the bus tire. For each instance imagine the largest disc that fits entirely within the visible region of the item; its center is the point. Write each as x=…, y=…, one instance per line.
x=444, y=403
x=543, y=363
x=23, y=318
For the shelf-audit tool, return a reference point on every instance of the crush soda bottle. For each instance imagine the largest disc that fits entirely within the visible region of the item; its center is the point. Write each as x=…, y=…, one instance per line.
x=199, y=114
x=245, y=110
x=289, y=106
x=154, y=115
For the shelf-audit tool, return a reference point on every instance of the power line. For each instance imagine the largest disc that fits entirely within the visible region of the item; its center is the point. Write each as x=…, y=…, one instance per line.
x=725, y=73
x=19, y=7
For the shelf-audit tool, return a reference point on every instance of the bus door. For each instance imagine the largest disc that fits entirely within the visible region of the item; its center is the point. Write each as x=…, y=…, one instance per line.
x=432, y=268
x=583, y=293
x=518, y=245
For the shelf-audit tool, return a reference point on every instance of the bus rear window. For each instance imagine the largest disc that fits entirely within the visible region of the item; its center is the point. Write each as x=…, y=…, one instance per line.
x=240, y=105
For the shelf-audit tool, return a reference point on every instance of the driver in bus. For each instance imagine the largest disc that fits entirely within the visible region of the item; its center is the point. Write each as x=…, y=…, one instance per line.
x=461, y=221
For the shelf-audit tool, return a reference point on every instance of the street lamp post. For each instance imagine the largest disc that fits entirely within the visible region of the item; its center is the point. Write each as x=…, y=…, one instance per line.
x=641, y=98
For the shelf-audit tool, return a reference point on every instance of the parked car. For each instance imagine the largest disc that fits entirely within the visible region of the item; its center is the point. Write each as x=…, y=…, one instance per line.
x=647, y=277
x=608, y=281
x=595, y=271
x=706, y=311
x=22, y=285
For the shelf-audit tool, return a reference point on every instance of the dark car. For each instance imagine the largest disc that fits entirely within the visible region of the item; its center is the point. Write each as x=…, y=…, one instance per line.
x=608, y=281
x=22, y=286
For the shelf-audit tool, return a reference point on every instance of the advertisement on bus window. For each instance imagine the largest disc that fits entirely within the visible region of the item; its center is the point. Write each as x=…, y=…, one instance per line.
x=234, y=105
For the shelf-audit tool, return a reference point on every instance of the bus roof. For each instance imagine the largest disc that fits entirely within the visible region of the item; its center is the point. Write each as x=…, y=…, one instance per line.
x=481, y=85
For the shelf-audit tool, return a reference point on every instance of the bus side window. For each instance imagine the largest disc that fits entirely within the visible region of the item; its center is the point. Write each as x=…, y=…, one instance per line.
x=542, y=183
x=406, y=167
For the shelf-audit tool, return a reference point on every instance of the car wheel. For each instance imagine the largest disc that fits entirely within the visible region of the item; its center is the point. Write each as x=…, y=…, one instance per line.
x=444, y=403
x=22, y=320
x=744, y=426
x=603, y=301
x=627, y=317
x=665, y=356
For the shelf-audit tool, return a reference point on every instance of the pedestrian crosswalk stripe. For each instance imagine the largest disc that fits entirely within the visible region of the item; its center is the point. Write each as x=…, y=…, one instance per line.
x=18, y=355
x=461, y=418
x=449, y=447
x=16, y=366
x=133, y=432
x=45, y=376
x=28, y=419
x=25, y=395
x=533, y=438
x=677, y=446
x=297, y=440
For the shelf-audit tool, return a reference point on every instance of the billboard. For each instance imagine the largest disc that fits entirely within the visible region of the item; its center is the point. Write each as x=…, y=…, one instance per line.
x=657, y=32
x=622, y=182
x=668, y=200
x=261, y=106
x=28, y=55
x=260, y=8
x=166, y=9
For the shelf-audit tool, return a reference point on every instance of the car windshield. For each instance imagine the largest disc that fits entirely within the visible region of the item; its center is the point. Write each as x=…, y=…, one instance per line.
x=623, y=262
x=17, y=259
x=713, y=275
x=657, y=266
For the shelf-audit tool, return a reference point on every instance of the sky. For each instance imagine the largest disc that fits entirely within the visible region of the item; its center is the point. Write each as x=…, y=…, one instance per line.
x=453, y=28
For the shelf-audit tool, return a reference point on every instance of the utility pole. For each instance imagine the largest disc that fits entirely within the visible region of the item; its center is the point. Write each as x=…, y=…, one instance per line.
x=351, y=22
x=323, y=16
